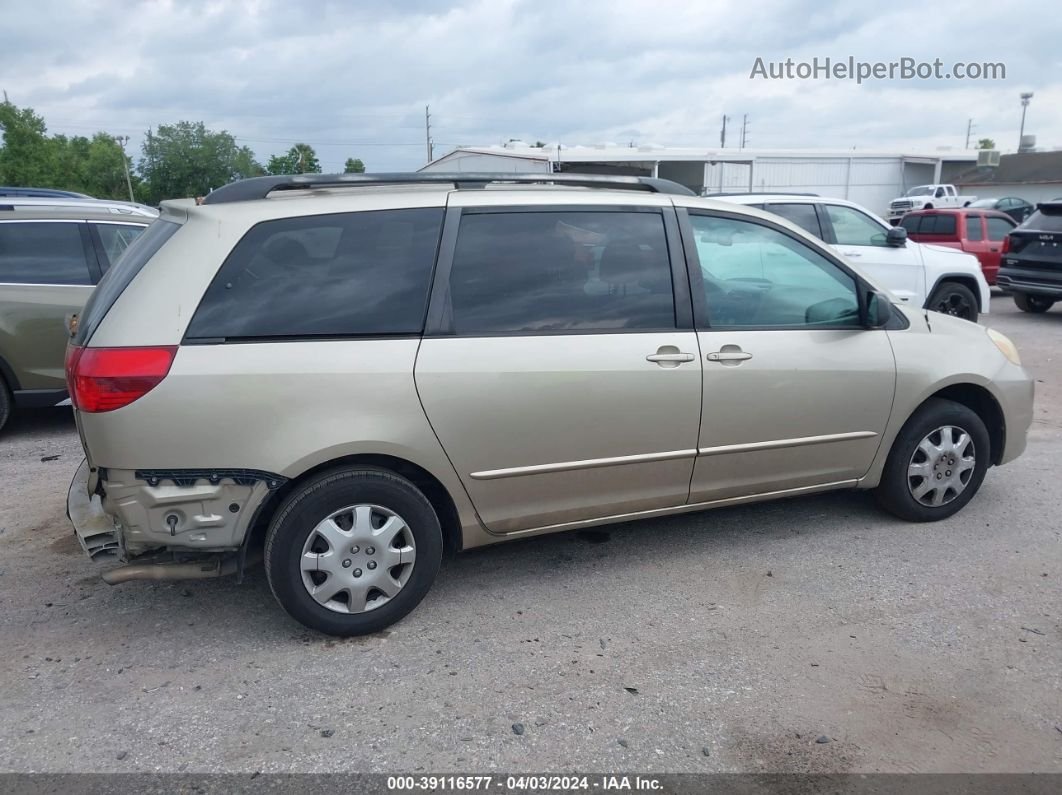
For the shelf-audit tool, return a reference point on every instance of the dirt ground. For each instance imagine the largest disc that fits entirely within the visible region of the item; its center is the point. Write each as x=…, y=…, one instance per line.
x=732, y=640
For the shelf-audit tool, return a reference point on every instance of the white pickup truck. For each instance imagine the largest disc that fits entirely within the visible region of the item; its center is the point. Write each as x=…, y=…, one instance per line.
x=926, y=197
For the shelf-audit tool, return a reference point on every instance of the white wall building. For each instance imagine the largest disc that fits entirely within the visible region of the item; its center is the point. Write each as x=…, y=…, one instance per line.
x=868, y=178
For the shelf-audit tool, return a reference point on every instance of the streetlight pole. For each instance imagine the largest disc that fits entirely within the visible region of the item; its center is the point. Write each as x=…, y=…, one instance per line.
x=122, y=140
x=1025, y=97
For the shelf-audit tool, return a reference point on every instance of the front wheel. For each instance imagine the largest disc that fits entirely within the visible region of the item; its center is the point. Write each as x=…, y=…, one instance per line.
x=1032, y=303
x=353, y=551
x=936, y=464
x=952, y=298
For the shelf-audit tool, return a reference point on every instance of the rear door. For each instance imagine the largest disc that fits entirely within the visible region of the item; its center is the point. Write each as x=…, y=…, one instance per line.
x=862, y=240
x=796, y=392
x=996, y=228
x=560, y=368
x=47, y=269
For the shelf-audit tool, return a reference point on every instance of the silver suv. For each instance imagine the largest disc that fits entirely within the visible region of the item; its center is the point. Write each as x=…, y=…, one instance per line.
x=355, y=373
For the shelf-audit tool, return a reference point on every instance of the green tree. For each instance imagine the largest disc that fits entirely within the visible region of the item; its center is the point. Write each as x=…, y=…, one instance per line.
x=986, y=143
x=28, y=156
x=300, y=159
x=354, y=166
x=187, y=159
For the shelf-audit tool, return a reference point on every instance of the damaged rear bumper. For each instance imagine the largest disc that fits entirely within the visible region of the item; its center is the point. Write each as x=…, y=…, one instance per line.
x=96, y=530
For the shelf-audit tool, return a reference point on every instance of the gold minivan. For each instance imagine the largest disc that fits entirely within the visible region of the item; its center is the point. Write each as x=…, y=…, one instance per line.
x=355, y=373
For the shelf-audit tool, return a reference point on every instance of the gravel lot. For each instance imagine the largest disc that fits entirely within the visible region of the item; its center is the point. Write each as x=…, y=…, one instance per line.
x=725, y=641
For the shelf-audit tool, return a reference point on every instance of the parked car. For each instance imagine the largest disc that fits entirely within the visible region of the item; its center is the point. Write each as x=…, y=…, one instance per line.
x=36, y=203
x=1017, y=209
x=927, y=197
x=359, y=379
x=933, y=277
x=49, y=262
x=1032, y=260
x=977, y=232
x=41, y=193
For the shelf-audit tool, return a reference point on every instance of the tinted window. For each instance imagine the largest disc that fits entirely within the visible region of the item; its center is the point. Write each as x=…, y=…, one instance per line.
x=324, y=275
x=119, y=277
x=973, y=228
x=912, y=223
x=937, y=224
x=757, y=277
x=803, y=215
x=115, y=239
x=854, y=228
x=556, y=271
x=998, y=228
x=42, y=253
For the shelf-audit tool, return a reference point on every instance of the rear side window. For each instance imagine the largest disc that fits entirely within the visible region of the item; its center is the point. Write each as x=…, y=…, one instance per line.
x=42, y=253
x=120, y=276
x=342, y=275
x=115, y=239
x=998, y=228
x=973, y=228
x=560, y=271
x=803, y=215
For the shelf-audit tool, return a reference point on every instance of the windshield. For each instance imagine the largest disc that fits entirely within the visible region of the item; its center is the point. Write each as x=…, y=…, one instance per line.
x=983, y=203
x=921, y=190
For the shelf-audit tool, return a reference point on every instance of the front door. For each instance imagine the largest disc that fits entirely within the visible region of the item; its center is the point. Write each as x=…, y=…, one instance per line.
x=554, y=370
x=796, y=392
x=862, y=240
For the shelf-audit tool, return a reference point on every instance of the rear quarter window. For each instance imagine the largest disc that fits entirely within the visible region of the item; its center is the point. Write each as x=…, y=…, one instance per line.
x=338, y=275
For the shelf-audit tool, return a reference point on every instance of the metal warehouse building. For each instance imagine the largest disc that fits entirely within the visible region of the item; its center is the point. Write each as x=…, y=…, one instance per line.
x=869, y=178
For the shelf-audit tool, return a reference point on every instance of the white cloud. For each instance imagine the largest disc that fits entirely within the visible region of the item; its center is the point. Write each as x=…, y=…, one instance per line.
x=352, y=79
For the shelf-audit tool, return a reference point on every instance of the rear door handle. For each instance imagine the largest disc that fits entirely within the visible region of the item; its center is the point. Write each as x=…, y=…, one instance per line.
x=670, y=357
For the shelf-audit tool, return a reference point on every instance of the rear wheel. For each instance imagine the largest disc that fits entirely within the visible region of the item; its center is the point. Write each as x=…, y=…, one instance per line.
x=952, y=298
x=1032, y=303
x=5, y=404
x=353, y=551
x=936, y=464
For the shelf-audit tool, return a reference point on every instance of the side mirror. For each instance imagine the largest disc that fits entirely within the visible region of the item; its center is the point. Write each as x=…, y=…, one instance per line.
x=896, y=237
x=879, y=309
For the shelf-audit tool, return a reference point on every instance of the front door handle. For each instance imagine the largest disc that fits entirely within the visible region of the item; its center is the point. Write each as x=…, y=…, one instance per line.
x=729, y=355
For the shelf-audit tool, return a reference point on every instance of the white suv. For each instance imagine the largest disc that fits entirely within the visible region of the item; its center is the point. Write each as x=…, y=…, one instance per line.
x=934, y=277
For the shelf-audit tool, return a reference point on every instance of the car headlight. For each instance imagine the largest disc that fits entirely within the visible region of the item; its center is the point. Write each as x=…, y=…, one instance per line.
x=1006, y=347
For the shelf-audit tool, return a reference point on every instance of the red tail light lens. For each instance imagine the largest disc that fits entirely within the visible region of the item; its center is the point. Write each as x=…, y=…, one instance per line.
x=105, y=379
x=1006, y=245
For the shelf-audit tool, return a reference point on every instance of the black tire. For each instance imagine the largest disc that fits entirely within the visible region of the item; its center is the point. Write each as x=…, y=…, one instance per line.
x=953, y=298
x=894, y=493
x=319, y=498
x=1036, y=304
x=5, y=404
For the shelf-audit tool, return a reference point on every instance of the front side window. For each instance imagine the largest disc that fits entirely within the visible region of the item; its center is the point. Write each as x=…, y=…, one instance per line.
x=542, y=271
x=347, y=274
x=854, y=228
x=754, y=276
x=998, y=228
x=116, y=239
x=973, y=228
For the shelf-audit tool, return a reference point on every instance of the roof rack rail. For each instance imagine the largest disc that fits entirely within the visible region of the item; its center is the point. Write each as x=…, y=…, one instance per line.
x=260, y=187
x=758, y=193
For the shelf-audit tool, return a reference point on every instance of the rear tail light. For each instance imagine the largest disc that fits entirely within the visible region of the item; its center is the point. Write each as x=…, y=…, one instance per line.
x=105, y=379
x=1006, y=245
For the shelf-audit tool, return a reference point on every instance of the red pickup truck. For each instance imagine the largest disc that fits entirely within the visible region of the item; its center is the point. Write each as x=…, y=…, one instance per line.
x=975, y=231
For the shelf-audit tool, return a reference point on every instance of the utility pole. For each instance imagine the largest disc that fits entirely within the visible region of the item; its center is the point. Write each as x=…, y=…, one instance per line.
x=1025, y=97
x=427, y=132
x=744, y=129
x=722, y=134
x=122, y=140
x=969, y=129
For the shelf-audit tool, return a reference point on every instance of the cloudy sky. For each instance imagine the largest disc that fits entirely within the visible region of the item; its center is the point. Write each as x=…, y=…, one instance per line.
x=352, y=78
